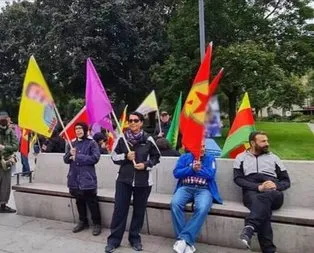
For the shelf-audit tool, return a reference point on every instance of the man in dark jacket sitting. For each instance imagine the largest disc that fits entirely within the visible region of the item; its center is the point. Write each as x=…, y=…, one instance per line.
x=263, y=178
x=82, y=179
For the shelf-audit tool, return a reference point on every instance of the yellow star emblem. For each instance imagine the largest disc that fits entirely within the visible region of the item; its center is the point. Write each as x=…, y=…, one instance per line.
x=196, y=102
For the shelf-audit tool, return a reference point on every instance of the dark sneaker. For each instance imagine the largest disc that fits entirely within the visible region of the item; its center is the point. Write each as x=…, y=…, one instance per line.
x=137, y=246
x=110, y=248
x=96, y=230
x=80, y=227
x=6, y=209
x=246, y=236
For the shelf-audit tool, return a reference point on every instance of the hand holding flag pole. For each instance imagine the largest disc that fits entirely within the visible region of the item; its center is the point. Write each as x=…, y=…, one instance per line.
x=61, y=122
x=122, y=134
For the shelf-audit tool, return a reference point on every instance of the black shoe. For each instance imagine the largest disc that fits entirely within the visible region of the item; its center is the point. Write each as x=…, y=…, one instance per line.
x=110, y=248
x=79, y=227
x=137, y=246
x=6, y=209
x=96, y=230
x=246, y=236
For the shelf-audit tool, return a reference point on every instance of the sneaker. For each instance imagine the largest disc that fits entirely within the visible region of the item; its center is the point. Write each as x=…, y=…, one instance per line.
x=189, y=249
x=6, y=209
x=179, y=246
x=246, y=236
x=80, y=227
x=110, y=248
x=137, y=246
x=96, y=230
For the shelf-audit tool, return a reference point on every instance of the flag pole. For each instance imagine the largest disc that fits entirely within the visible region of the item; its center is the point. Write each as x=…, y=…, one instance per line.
x=122, y=134
x=158, y=117
x=61, y=122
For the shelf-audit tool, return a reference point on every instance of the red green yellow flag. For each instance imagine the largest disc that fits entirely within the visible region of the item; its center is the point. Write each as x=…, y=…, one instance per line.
x=123, y=120
x=194, y=111
x=238, y=136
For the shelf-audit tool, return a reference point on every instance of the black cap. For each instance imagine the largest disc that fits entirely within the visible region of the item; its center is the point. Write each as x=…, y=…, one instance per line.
x=99, y=136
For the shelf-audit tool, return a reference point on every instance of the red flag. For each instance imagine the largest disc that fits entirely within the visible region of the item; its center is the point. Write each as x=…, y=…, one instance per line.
x=80, y=117
x=24, y=142
x=194, y=110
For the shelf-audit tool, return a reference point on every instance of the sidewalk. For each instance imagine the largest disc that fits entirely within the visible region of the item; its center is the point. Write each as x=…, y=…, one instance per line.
x=27, y=234
x=33, y=235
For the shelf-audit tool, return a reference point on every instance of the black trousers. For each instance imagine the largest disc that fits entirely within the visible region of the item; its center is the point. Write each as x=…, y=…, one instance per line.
x=86, y=198
x=121, y=210
x=261, y=206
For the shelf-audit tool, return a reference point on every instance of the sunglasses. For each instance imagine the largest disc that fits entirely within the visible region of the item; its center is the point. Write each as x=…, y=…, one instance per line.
x=134, y=120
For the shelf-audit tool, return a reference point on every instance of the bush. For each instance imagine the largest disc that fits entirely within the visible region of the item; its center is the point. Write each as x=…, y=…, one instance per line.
x=303, y=118
x=296, y=115
x=274, y=117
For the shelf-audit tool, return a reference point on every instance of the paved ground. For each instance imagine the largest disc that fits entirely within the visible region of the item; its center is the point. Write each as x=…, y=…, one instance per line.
x=32, y=235
x=28, y=234
x=311, y=126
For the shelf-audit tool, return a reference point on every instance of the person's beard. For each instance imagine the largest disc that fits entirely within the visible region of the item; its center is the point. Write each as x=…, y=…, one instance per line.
x=261, y=150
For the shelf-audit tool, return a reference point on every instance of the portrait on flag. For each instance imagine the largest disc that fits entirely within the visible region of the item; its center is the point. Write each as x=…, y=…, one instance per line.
x=37, y=93
x=213, y=122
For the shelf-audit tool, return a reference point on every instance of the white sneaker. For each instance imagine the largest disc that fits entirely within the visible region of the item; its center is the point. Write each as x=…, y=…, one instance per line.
x=179, y=246
x=190, y=249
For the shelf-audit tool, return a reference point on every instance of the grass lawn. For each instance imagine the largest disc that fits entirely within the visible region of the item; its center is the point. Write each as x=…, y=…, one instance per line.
x=290, y=141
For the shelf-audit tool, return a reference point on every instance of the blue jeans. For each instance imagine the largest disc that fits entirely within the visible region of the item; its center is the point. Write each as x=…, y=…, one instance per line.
x=25, y=163
x=203, y=200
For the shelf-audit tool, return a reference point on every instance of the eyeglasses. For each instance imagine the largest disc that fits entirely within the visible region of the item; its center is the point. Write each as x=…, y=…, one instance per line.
x=134, y=120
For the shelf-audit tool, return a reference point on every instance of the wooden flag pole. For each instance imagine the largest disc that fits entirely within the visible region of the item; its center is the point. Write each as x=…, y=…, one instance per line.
x=61, y=122
x=122, y=134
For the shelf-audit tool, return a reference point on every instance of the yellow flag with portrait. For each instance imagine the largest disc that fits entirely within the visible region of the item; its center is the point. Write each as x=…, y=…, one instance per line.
x=37, y=108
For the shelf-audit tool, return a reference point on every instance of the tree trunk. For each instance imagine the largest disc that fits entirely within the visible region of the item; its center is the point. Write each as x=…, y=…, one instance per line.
x=232, y=107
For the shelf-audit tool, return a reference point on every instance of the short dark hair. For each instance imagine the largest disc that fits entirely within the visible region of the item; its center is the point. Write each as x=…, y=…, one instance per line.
x=253, y=135
x=163, y=144
x=29, y=86
x=138, y=114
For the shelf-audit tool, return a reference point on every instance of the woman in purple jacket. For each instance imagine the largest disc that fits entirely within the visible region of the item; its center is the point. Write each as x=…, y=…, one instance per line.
x=82, y=179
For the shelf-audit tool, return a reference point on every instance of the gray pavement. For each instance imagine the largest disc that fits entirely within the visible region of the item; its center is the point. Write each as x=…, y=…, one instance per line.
x=28, y=234
x=33, y=235
x=311, y=126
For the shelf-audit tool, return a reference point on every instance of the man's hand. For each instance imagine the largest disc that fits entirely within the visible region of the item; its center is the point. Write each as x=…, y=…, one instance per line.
x=1, y=147
x=139, y=166
x=131, y=156
x=72, y=158
x=73, y=151
x=266, y=186
x=197, y=165
x=270, y=185
x=44, y=147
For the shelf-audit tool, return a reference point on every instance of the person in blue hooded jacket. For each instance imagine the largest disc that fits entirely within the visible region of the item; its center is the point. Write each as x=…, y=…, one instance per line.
x=82, y=179
x=196, y=183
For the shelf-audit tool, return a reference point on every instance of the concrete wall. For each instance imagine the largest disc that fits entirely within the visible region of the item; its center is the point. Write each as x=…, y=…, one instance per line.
x=51, y=169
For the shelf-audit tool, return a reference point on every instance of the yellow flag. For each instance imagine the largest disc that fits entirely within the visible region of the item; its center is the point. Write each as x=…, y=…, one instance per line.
x=37, y=106
x=149, y=104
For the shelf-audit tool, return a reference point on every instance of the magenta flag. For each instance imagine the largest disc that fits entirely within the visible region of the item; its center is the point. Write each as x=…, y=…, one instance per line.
x=98, y=105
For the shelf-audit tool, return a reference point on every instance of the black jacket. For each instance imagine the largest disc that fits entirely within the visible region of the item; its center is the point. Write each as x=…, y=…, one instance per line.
x=146, y=152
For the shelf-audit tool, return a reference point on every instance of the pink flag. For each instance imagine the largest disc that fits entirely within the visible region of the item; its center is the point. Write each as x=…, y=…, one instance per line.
x=98, y=105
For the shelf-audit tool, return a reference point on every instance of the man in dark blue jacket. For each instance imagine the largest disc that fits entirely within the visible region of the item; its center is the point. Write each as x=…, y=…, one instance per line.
x=196, y=183
x=82, y=179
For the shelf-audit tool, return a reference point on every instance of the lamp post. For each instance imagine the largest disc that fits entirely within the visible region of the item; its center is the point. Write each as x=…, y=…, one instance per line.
x=201, y=27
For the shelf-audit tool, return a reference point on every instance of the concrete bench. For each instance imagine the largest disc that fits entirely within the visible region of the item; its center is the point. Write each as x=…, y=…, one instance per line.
x=293, y=224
